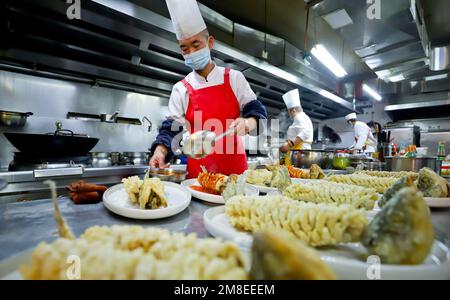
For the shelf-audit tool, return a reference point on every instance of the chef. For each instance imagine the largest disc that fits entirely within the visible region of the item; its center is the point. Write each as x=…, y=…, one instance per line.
x=364, y=139
x=209, y=98
x=300, y=133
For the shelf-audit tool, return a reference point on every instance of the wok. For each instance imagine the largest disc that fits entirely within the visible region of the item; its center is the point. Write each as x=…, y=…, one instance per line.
x=51, y=144
x=305, y=158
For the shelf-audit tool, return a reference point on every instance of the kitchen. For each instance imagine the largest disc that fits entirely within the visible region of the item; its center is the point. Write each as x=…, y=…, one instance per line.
x=103, y=74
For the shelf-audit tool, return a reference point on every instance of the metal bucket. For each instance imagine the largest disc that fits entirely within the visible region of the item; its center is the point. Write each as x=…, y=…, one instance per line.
x=397, y=164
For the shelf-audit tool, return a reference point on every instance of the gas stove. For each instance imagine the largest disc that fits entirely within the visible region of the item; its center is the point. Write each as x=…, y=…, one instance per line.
x=24, y=162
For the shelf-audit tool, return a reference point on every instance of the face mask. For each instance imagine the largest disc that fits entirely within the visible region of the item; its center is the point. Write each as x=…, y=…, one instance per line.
x=198, y=60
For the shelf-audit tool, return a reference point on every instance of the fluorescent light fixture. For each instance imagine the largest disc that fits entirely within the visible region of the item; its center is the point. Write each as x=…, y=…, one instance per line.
x=328, y=61
x=338, y=19
x=371, y=92
x=397, y=78
x=436, y=77
x=383, y=74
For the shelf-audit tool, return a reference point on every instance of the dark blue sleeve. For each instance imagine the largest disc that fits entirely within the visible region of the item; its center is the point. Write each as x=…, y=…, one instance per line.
x=255, y=109
x=169, y=129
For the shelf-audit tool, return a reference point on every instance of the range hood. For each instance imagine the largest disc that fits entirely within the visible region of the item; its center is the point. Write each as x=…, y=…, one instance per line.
x=433, y=105
x=120, y=44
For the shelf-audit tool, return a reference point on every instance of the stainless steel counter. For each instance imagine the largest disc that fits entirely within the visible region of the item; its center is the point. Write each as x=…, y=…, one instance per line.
x=24, y=225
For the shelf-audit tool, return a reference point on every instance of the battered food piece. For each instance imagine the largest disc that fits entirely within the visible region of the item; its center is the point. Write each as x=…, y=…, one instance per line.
x=280, y=177
x=132, y=187
x=315, y=224
x=278, y=255
x=63, y=230
x=261, y=177
x=388, y=173
x=148, y=193
x=331, y=192
x=407, y=181
x=151, y=194
x=402, y=232
x=315, y=172
x=378, y=183
x=432, y=185
x=134, y=252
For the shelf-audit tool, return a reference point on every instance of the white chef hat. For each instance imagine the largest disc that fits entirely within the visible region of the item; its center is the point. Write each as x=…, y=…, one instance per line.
x=186, y=18
x=350, y=116
x=292, y=99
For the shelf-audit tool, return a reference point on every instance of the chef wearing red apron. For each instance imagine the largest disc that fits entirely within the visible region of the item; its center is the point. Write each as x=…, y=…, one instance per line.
x=209, y=98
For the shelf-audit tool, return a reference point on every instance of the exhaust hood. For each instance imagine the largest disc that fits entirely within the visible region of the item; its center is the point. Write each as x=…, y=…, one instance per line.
x=123, y=43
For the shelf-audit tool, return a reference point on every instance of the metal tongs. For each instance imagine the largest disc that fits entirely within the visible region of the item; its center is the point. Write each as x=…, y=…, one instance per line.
x=201, y=143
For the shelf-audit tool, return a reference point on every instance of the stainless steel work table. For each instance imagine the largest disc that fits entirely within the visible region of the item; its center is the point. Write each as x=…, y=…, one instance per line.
x=24, y=224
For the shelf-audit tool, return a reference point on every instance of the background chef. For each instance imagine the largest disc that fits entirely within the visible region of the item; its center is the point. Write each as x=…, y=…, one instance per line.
x=300, y=133
x=364, y=139
x=210, y=91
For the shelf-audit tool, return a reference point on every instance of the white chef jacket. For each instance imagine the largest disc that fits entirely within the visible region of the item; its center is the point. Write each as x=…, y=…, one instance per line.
x=364, y=137
x=302, y=127
x=179, y=99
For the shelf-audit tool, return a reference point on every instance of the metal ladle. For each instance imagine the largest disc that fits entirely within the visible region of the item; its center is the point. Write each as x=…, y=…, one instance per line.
x=201, y=143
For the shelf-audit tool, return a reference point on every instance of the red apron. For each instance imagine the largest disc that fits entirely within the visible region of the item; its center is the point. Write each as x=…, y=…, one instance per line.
x=214, y=108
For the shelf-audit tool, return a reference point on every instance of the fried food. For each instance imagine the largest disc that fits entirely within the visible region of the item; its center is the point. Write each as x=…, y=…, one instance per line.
x=388, y=173
x=314, y=172
x=63, y=229
x=402, y=233
x=212, y=182
x=132, y=187
x=278, y=255
x=151, y=194
x=315, y=224
x=432, y=185
x=134, y=252
x=261, y=177
x=407, y=181
x=331, y=192
x=148, y=193
x=280, y=177
x=381, y=184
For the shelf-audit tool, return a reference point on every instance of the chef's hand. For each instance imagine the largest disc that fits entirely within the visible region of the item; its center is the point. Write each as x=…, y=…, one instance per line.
x=284, y=148
x=243, y=126
x=159, y=156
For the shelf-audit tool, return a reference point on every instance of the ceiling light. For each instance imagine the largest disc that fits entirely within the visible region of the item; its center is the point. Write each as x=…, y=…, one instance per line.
x=328, y=61
x=436, y=77
x=397, y=78
x=371, y=92
x=338, y=19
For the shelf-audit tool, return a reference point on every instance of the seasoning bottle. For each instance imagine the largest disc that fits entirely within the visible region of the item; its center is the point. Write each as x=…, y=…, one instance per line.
x=441, y=150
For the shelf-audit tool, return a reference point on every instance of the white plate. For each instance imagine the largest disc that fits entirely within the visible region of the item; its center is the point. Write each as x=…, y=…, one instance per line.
x=218, y=225
x=263, y=189
x=116, y=200
x=249, y=191
x=346, y=262
x=437, y=202
x=343, y=259
x=300, y=180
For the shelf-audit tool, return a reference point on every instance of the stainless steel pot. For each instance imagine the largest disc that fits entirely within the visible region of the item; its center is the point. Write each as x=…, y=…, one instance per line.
x=305, y=158
x=13, y=119
x=135, y=158
x=101, y=159
x=397, y=164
